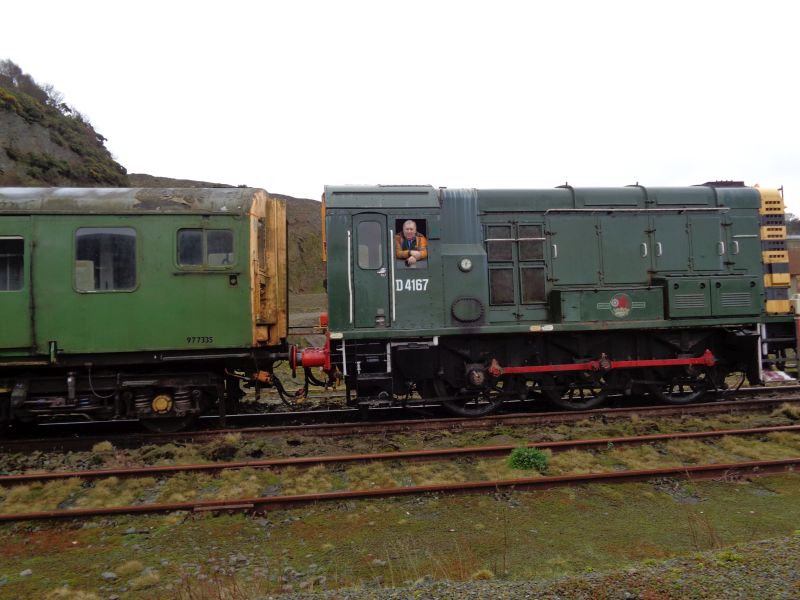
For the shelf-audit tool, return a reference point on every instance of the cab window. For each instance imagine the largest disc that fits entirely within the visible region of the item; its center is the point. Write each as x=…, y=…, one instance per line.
x=205, y=248
x=12, y=250
x=411, y=240
x=105, y=259
x=370, y=245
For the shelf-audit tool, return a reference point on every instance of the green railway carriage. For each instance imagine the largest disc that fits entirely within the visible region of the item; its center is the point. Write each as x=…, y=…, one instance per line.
x=568, y=293
x=134, y=302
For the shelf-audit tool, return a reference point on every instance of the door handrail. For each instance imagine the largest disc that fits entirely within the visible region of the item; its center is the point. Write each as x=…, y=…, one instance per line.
x=350, y=273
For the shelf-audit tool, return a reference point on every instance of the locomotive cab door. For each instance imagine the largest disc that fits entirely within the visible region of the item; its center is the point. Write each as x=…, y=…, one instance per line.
x=15, y=283
x=370, y=270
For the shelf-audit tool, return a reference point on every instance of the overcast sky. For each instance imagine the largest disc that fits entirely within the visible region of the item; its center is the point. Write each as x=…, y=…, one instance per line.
x=293, y=95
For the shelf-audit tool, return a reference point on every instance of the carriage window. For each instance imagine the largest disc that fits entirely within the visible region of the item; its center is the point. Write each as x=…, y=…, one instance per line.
x=501, y=286
x=533, y=288
x=205, y=247
x=370, y=245
x=190, y=247
x=219, y=247
x=499, y=242
x=531, y=242
x=12, y=250
x=105, y=259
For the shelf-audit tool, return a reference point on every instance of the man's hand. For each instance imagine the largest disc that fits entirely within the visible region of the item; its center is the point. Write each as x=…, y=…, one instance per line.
x=412, y=259
x=416, y=255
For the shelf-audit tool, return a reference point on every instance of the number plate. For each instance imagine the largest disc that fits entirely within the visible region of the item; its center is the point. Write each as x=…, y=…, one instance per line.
x=411, y=285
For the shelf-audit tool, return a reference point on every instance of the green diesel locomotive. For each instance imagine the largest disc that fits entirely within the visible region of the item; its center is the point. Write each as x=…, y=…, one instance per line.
x=137, y=303
x=473, y=296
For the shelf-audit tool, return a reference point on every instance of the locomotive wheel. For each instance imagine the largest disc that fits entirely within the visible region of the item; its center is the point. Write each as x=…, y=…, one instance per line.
x=579, y=392
x=682, y=389
x=168, y=424
x=471, y=403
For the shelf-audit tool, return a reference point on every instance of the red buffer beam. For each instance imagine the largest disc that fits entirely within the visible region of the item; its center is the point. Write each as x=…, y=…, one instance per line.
x=313, y=357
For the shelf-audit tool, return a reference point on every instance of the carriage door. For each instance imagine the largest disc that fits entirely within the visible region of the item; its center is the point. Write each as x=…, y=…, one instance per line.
x=15, y=283
x=371, y=270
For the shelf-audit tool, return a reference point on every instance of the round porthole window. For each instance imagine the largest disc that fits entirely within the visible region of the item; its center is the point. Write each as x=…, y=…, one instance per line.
x=467, y=310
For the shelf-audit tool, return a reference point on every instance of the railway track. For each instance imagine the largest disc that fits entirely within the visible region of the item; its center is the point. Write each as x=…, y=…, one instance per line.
x=726, y=470
x=342, y=426
x=431, y=454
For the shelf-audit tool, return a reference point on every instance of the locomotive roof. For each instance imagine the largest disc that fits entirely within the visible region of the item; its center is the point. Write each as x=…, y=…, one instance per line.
x=381, y=196
x=635, y=197
x=236, y=201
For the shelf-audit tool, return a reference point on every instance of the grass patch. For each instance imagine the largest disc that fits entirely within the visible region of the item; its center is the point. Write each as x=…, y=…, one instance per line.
x=791, y=411
x=372, y=475
x=67, y=593
x=145, y=580
x=103, y=447
x=37, y=497
x=528, y=459
x=113, y=491
x=439, y=538
x=240, y=483
x=314, y=480
x=129, y=567
x=634, y=457
x=695, y=452
x=482, y=574
x=223, y=448
x=434, y=473
x=752, y=448
x=575, y=461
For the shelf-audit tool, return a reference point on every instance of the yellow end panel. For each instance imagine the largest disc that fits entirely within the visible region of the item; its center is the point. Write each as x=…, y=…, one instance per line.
x=275, y=292
x=777, y=279
x=771, y=202
x=773, y=232
x=778, y=307
x=769, y=257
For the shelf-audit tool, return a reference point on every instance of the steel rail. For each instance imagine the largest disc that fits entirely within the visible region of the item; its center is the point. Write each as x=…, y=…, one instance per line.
x=725, y=471
x=436, y=453
x=403, y=425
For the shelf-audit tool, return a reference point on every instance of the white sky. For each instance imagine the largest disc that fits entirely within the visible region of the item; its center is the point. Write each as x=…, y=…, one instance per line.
x=292, y=95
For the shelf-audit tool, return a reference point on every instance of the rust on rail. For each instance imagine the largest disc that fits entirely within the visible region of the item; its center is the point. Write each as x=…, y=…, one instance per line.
x=725, y=471
x=498, y=450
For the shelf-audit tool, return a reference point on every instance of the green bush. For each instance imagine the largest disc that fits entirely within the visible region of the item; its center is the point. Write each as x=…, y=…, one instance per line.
x=40, y=105
x=528, y=459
